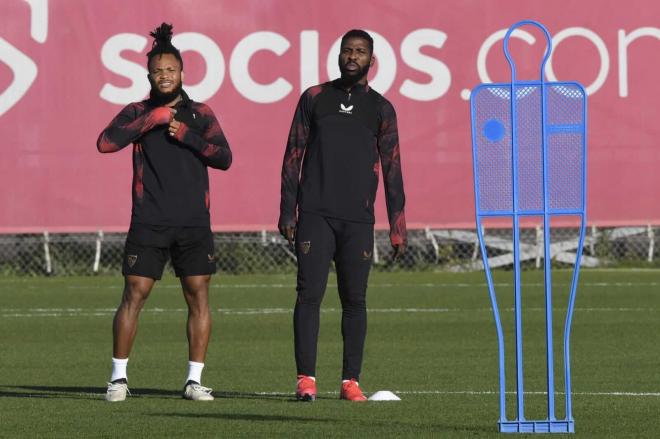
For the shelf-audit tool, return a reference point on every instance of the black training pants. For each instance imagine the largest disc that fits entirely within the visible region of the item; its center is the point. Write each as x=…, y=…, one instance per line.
x=320, y=240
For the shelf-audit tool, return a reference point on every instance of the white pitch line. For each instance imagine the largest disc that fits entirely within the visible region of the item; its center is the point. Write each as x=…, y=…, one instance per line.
x=443, y=286
x=449, y=392
x=81, y=312
x=493, y=392
x=484, y=392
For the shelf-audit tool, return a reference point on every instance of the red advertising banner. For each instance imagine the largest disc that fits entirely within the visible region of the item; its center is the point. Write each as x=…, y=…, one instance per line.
x=68, y=66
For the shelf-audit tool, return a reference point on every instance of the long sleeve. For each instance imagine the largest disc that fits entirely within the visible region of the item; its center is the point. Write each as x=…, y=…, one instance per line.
x=388, y=149
x=293, y=155
x=129, y=125
x=211, y=146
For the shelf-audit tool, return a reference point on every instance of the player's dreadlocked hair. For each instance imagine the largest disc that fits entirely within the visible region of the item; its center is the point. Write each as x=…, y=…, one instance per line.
x=163, y=43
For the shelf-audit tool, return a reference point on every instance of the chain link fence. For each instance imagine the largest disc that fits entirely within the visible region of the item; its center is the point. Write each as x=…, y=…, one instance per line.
x=267, y=252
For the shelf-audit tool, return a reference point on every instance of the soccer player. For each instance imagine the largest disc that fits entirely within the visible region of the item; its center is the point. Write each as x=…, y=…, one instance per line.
x=341, y=131
x=174, y=141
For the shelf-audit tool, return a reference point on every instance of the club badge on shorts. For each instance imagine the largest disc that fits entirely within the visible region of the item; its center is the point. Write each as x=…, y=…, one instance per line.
x=131, y=260
x=305, y=246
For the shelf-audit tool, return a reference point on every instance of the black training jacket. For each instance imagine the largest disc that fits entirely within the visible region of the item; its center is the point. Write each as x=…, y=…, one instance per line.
x=170, y=178
x=343, y=136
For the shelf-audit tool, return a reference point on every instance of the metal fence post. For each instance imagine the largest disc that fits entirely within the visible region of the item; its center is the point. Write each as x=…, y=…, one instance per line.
x=49, y=267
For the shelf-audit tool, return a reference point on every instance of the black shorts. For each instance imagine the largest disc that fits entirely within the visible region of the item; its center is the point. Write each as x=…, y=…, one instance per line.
x=148, y=247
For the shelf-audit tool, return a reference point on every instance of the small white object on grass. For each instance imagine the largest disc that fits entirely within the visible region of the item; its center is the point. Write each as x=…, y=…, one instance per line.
x=384, y=395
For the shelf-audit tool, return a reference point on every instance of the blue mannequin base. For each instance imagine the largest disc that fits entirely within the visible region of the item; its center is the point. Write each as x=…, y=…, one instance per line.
x=537, y=426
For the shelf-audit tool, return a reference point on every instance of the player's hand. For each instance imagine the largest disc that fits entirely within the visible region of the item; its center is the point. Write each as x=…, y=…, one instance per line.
x=174, y=127
x=289, y=233
x=399, y=250
x=163, y=115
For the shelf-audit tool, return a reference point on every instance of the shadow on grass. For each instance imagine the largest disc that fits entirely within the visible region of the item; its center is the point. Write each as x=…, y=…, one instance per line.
x=82, y=392
x=96, y=393
x=274, y=396
x=51, y=392
x=244, y=417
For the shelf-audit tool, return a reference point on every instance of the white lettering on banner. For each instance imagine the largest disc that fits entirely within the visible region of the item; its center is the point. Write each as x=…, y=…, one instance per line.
x=600, y=46
x=482, y=56
x=624, y=42
x=38, y=20
x=410, y=53
x=137, y=73
x=413, y=57
x=112, y=60
x=309, y=59
x=23, y=68
x=215, y=63
x=240, y=60
x=385, y=58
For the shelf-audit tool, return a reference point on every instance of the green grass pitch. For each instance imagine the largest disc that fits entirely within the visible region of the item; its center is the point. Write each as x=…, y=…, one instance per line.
x=431, y=340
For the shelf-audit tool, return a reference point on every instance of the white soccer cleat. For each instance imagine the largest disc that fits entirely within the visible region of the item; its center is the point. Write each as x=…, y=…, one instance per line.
x=117, y=392
x=197, y=392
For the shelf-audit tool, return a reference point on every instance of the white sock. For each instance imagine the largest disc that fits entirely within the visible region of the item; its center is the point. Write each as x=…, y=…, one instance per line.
x=195, y=371
x=118, y=369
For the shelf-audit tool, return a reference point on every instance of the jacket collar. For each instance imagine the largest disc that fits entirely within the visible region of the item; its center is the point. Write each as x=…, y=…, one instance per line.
x=356, y=88
x=184, y=102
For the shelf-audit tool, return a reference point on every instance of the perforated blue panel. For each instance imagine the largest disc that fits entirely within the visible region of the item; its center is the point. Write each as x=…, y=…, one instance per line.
x=492, y=142
x=530, y=148
x=564, y=132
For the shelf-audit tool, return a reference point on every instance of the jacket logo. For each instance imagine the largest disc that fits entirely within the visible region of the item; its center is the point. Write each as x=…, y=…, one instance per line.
x=131, y=260
x=305, y=246
x=346, y=110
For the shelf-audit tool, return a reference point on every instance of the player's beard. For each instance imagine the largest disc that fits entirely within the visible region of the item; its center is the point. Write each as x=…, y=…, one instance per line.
x=352, y=77
x=160, y=98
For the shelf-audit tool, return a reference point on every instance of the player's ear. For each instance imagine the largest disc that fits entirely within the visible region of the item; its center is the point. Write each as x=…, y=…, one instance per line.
x=373, y=60
x=182, y=75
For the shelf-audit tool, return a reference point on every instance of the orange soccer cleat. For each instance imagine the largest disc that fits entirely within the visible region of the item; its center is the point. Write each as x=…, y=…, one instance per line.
x=306, y=388
x=350, y=391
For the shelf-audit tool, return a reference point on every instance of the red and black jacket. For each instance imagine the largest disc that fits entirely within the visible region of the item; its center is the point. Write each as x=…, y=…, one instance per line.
x=170, y=178
x=343, y=135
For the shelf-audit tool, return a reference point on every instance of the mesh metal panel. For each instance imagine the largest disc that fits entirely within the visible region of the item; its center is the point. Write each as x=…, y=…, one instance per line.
x=530, y=148
x=565, y=123
x=565, y=152
x=564, y=103
x=565, y=164
x=493, y=140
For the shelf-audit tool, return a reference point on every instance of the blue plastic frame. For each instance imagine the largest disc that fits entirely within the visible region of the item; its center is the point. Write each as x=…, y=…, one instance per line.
x=520, y=424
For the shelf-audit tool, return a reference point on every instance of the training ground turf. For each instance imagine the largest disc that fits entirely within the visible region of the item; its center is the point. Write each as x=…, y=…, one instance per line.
x=431, y=340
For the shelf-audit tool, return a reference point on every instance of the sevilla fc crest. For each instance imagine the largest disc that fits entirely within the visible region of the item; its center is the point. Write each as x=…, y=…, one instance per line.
x=305, y=246
x=131, y=260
